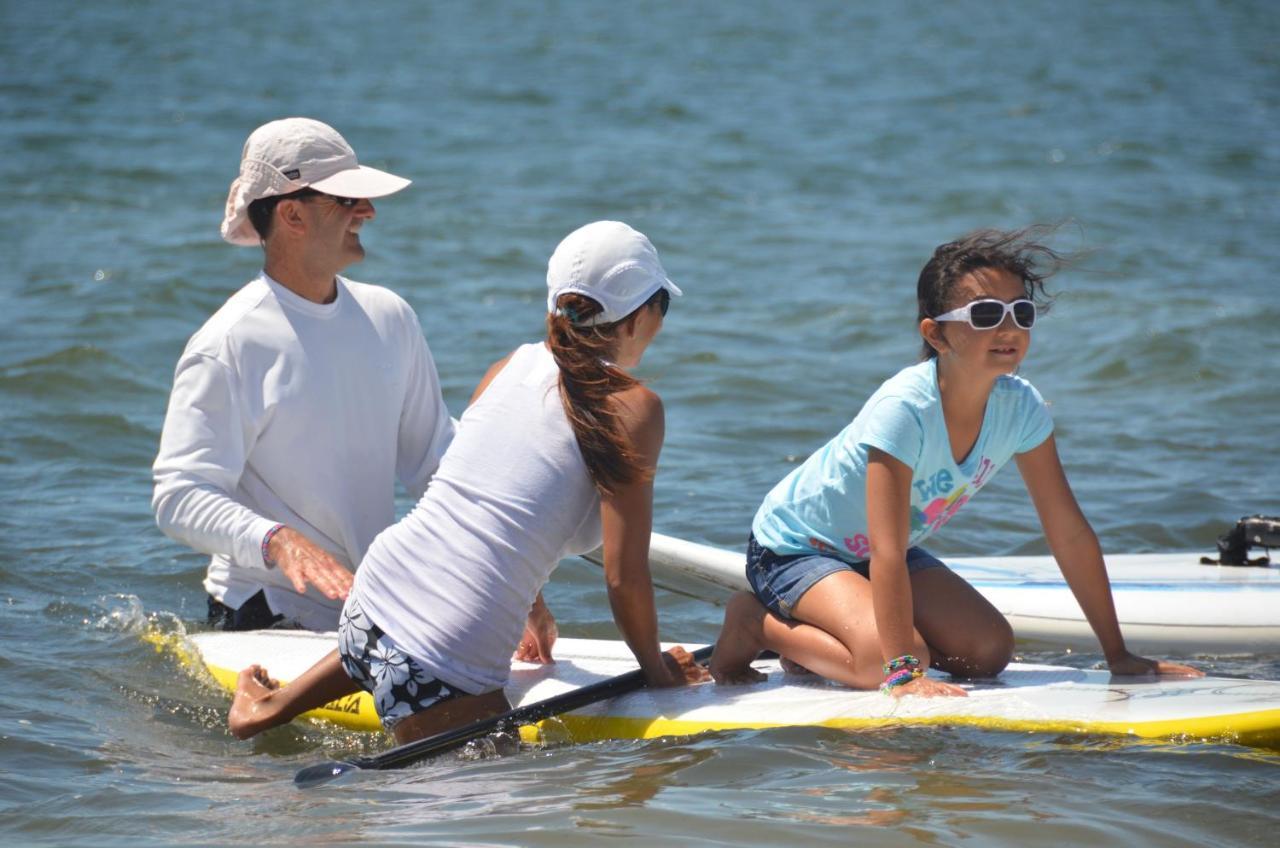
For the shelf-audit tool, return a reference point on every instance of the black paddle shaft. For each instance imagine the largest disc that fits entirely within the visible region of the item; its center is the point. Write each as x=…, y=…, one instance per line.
x=411, y=752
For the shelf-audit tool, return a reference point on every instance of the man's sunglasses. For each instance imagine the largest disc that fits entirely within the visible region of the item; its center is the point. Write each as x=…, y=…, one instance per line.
x=988, y=313
x=304, y=193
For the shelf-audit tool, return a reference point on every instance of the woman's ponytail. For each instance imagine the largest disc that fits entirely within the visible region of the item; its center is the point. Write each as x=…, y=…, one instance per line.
x=587, y=381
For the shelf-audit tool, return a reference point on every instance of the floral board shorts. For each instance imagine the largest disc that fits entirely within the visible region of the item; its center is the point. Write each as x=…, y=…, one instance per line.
x=400, y=687
x=778, y=581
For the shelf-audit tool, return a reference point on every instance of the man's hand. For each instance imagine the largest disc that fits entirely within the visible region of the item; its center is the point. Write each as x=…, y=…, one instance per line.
x=304, y=562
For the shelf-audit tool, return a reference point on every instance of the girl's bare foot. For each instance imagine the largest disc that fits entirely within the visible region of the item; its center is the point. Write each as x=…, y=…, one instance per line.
x=739, y=641
x=250, y=706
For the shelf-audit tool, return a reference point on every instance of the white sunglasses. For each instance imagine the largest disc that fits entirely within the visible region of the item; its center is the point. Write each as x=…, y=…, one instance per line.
x=988, y=313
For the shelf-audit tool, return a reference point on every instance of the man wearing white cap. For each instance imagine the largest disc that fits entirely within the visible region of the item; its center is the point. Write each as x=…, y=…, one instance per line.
x=300, y=402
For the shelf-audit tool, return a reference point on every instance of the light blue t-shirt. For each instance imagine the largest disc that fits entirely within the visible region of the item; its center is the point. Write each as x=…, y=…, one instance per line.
x=820, y=507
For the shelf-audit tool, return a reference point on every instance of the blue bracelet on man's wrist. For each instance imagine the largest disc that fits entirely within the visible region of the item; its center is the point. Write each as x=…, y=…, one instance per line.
x=266, y=542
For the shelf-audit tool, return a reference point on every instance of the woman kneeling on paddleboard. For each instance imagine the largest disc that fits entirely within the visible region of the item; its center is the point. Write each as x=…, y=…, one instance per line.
x=557, y=449
x=840, y=584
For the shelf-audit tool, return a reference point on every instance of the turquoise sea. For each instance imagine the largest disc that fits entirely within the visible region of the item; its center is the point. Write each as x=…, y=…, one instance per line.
x=795, y=163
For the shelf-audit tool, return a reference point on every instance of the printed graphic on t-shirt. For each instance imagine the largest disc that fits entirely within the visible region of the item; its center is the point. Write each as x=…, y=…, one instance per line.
x=939, y=511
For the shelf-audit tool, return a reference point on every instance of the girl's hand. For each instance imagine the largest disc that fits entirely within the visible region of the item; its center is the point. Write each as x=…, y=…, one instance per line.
x=540, y=634
x=927, y=687
x=1134, y=665
x=678, y=669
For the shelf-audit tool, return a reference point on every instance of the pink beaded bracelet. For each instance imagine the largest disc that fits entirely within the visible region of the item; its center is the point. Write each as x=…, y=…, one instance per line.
x=901, y=677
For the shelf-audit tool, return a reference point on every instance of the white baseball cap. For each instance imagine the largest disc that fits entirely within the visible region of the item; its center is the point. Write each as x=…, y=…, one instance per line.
x=293, y=153
x=610, y=263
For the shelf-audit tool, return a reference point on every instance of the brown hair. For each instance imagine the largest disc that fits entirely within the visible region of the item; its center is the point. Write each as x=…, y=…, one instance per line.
x=1020, y=252
x=587, y=381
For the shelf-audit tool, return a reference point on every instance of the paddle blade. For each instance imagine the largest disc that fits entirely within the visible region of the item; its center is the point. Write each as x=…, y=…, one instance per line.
x=322, y=773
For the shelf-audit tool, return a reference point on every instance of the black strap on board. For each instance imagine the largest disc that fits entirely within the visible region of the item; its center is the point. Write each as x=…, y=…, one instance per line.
x=1260, y=531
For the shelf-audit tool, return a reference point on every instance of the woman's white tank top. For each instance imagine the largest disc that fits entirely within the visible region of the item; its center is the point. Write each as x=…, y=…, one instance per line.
x=452, y=582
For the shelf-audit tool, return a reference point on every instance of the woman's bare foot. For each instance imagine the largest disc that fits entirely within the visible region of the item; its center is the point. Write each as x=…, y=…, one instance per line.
x=739, y=641
x=250, y=706
x=792, y=667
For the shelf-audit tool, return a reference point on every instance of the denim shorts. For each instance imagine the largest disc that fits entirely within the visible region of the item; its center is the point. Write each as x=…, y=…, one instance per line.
x=779, y=580
x=399, y=685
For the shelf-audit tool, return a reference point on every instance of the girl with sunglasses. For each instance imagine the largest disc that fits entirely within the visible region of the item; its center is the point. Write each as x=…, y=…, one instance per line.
x=841, y=585
x=555, y=454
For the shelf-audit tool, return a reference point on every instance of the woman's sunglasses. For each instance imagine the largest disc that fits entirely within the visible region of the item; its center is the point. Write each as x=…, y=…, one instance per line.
x=662, y=297
x=988, y=313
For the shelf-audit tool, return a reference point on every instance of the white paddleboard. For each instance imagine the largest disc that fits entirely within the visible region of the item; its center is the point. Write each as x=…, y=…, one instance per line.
x=1028, y=698
x=1166, y=603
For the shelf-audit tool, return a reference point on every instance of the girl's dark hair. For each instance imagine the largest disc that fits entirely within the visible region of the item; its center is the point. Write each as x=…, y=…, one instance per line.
x=1020, y=252
x=587, y=380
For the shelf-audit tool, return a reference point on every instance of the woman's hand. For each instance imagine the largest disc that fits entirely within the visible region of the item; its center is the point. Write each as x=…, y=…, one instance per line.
x=1133, y=665
x=927, y=687
x=540, y=634
x=678, y=669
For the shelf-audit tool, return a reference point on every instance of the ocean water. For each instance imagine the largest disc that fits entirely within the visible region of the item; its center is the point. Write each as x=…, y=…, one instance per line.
x=795, y=164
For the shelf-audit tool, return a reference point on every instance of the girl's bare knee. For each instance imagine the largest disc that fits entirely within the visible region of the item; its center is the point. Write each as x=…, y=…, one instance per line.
x=984, y=653
x=990, y=656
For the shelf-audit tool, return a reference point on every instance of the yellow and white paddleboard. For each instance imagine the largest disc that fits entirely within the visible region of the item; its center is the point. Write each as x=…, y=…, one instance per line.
x=1027, y=698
